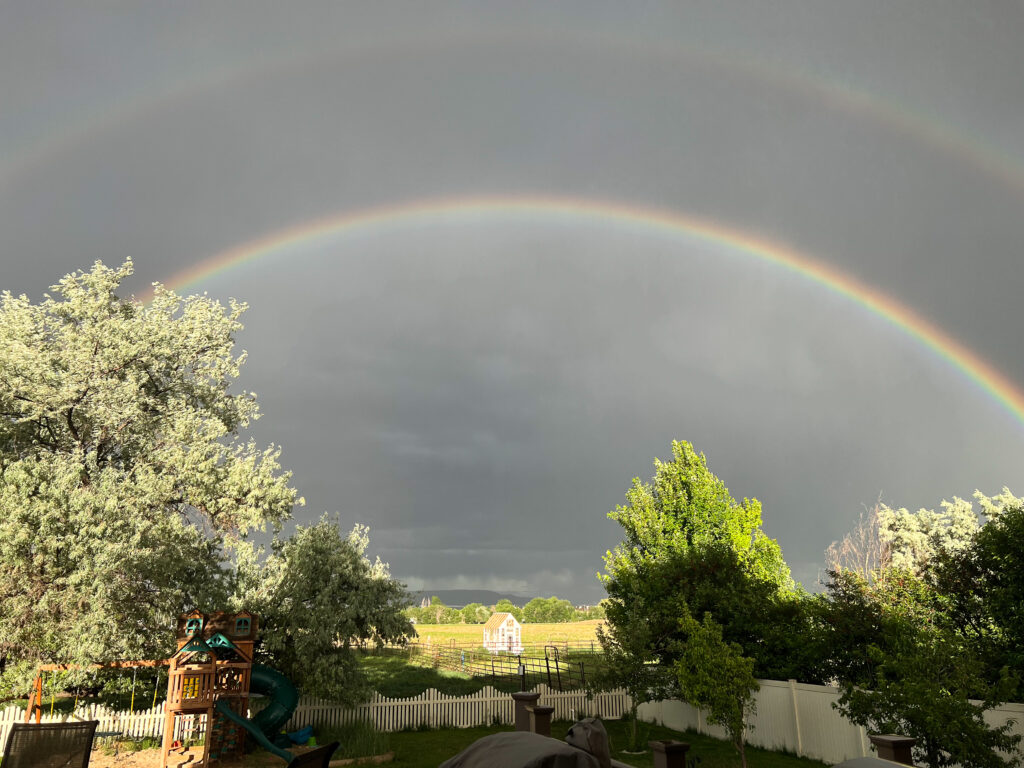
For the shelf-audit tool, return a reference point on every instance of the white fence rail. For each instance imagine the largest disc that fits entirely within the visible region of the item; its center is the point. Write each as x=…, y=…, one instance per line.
x=798, y=717
x=431, y=708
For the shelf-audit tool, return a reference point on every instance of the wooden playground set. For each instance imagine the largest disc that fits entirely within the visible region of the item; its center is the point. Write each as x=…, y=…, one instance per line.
x=208, y=687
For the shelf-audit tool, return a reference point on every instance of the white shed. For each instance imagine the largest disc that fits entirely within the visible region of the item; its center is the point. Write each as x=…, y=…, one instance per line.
x=503, y=633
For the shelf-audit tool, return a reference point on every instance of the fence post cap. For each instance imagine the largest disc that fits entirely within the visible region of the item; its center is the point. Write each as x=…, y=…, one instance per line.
x=891, y=738
x=528, y=696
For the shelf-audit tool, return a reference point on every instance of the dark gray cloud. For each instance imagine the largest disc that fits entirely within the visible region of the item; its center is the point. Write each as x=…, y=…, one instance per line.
x=480, y=390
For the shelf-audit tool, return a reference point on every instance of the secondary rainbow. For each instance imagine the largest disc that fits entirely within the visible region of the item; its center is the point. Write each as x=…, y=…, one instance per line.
x=645, y=220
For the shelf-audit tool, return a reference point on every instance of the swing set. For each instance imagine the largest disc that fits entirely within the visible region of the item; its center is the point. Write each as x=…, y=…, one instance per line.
x=35, y=699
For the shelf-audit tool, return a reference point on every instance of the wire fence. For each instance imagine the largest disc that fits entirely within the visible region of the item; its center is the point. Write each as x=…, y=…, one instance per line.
x=558, y=668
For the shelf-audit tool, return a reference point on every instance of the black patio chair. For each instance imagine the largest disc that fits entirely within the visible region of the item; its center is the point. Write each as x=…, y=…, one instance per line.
x=315, y=758
x=49, y=745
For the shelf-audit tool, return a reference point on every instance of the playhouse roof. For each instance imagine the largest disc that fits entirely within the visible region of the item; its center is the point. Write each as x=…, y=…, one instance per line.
x=196, y=644
x=497, y=619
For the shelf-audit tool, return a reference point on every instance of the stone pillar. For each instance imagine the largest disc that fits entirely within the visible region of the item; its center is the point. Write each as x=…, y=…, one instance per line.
x=893, y=747
x=522, y=699
x=669, y=754
x=540, y=719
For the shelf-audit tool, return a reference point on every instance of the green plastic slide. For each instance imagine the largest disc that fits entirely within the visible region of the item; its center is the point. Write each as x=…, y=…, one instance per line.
x=266, y=724
x=254, y=731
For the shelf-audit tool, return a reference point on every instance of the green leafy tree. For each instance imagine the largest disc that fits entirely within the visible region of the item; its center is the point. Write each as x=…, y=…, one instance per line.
x=439, y=613
x=685, y=506
x=320, y=597
x=690, y=548
x=921, y=686
x=627, y=662
x=507, y=606
x=474, y=613
x=983, y=587
x=904, y=668
x=123, y=476
x=551, y=610
x=714, y=675
x=772, y=626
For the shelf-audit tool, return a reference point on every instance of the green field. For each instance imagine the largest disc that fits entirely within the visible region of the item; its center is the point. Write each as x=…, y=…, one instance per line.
x=576, y=633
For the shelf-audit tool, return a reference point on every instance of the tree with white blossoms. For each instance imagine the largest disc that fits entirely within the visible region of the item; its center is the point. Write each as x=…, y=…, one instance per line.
x=123, y=476
x=319, y=597
x=915, y=538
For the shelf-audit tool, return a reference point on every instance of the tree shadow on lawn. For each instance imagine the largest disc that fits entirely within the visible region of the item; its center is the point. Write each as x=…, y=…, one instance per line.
x=393, y=676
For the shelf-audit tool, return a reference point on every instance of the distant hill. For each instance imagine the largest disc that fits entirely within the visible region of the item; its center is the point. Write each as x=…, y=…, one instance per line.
x=457, y=598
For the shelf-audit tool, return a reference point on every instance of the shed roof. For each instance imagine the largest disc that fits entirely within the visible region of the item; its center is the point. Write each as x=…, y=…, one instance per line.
x=497, y=619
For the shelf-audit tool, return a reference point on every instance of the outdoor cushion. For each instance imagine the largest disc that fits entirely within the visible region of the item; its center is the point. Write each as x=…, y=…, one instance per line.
x=521, y=749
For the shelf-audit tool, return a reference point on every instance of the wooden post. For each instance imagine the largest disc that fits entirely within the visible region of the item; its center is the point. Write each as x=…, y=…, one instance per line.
x=894, y=747
x=522, y=700
x=540, y=719
x=669, y=754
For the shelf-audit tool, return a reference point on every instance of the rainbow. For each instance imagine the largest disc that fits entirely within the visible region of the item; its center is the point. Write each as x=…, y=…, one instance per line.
x=47, y=140
x=605, y=213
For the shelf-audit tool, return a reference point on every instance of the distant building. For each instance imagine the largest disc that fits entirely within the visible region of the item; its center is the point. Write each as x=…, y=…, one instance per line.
x=425, y=602
x=503, y=633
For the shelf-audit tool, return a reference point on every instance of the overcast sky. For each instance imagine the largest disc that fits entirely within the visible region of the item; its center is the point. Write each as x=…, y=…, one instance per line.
x=480, y=387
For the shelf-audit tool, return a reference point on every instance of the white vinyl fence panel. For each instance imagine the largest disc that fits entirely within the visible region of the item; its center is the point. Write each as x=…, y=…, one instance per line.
x=797, y=717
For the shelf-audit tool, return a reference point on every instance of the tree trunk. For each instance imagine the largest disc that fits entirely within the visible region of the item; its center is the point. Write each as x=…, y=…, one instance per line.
x=742, y=750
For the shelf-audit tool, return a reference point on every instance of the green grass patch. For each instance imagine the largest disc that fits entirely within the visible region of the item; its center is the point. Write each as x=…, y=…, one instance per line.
x=359, y=739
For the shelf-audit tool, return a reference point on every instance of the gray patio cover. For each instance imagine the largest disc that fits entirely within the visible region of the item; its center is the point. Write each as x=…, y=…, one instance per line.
x=587, y=747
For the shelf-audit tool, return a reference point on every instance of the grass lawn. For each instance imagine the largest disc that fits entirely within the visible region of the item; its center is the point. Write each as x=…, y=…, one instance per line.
x=533, y=634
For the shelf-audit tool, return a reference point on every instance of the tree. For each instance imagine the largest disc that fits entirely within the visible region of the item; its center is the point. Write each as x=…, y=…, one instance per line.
x=551, y=610
x=922, y=687
x=903, y=667
x=507, y=606
x=714, y=675
x=914, y=538
x=628, y=662
x=320, y=596
x=983, y=585
x=863, y=550
x=474, y=613
x=689, y=547
x=772, y=626
x=684, y=506
x=123, y=476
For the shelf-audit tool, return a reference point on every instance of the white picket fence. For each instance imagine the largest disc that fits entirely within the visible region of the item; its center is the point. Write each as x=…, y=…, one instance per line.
x=431, y=708
x=437, y=710
x=798, y=717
